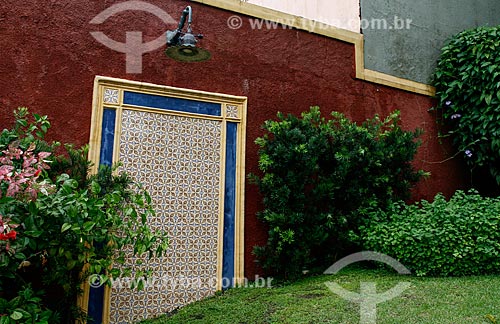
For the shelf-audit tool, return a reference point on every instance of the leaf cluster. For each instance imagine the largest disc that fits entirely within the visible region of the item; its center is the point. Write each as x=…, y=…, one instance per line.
x=467, y=81
x=439, y=238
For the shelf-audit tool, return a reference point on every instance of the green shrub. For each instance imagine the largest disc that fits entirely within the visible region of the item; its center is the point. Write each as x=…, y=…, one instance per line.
x=467, y=81
x=440, y=238
x=317, y=174
x=27, y=308
x=56, y=230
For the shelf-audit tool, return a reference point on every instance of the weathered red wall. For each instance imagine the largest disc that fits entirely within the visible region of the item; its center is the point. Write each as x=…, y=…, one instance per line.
x=49, y=60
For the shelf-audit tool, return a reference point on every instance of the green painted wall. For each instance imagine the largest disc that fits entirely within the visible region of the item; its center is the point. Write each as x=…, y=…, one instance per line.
x=410, y=49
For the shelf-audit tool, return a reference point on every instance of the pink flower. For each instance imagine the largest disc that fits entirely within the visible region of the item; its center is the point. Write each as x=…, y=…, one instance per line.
x=13, y=189
x=5, y=170
x=28, y=161
x=4, y=160
x=22, y=180
x=43, y=155
x=14, y=151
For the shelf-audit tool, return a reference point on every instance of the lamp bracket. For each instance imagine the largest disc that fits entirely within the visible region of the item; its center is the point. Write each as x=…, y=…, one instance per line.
x=174, y=36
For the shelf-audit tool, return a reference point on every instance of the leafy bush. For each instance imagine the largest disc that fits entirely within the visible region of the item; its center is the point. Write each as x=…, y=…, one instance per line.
x=55, y=230
x=440, y=238
x=25, y=308
x=317, y=174
x=467, y=81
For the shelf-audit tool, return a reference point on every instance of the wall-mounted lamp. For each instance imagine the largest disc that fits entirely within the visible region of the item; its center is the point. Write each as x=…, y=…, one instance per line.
x=182, y=46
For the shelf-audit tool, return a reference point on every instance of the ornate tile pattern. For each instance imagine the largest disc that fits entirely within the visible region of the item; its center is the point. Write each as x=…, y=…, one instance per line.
x=111, y=96
x=232, y=111
x=177, y=159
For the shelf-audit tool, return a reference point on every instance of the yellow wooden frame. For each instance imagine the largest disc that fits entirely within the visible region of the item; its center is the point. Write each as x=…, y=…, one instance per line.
x=344, y=35
x=101, y=83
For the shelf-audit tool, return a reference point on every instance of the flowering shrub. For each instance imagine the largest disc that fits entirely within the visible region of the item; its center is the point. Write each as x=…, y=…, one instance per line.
x=56, y=221
x=7, y=234
x=467, y=81
x=22, y=182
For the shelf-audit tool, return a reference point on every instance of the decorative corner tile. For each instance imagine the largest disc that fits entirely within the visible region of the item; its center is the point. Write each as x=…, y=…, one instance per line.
x=232, y=111
x=111, y=96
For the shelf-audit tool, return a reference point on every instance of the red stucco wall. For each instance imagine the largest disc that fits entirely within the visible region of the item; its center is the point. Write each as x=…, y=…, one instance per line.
x=49, y=60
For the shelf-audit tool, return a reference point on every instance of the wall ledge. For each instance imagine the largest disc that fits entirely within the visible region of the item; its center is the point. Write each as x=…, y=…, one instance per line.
x=323, y=29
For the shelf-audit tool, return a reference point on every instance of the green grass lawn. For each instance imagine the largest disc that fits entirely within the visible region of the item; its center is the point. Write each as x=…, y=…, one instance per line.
x=428, y=300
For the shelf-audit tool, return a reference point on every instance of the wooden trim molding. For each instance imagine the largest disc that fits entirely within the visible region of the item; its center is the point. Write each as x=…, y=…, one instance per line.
x=323, y=29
